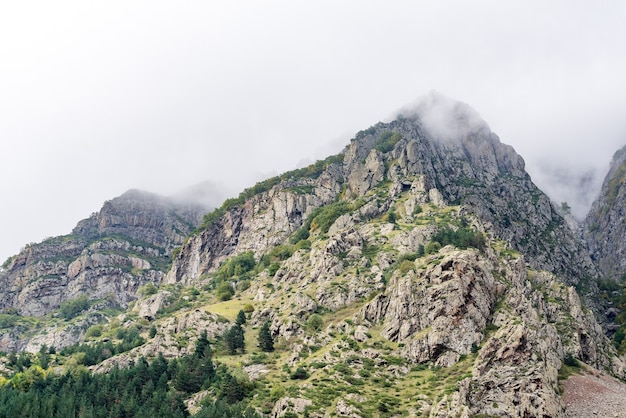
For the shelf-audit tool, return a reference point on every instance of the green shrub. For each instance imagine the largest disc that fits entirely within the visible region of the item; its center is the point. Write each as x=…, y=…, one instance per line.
x=73, y=307
x=299, y=374
x=94, y=331
x=237, y=265
x=325, y=216
x=7, y=262
x=224, y=291
x=387, y=141
x=281, y=252
x=147, y=290
x=7, y=321
x=462, y=238
x=243, y=285
x=432, y=247
x=304, y=244
x=406, y=266
x=277, y=392
x=315, y=322
x=300, y=234
x=273, y=268
x=571, y=361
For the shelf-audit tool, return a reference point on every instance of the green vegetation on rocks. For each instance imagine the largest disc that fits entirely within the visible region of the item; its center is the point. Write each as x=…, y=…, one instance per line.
x=73, y=307
x=313, y=171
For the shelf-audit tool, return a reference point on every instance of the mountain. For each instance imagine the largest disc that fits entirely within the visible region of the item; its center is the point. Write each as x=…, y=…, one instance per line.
x=419, y=272
x=605, y=226
x=372, y=220
x=104, y=261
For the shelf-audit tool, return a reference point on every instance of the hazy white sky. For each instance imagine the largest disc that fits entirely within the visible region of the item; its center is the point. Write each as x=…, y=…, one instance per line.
x=98, y=97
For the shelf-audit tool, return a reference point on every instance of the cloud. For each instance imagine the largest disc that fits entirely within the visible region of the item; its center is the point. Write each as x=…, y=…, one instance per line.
x=445, y=119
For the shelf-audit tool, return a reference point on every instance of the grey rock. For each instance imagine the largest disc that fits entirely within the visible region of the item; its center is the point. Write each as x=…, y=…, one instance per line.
x=287, y=404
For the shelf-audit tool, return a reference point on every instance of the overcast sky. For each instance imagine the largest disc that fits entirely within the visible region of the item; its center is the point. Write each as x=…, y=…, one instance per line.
x=99, y=97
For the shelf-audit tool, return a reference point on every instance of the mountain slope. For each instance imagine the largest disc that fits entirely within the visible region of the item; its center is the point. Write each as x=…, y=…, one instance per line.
x=362, y=239
x=604, y=227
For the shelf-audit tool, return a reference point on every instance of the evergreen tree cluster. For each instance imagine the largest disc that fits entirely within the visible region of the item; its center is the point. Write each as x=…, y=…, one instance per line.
x=96, y=353
x=463, y=237
x=144, y=389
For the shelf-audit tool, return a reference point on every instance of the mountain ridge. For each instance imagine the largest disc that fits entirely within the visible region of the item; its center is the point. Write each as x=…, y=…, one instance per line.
x=106, y=258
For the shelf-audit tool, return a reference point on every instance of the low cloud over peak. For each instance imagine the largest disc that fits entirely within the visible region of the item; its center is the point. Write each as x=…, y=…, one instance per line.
x=444, y=118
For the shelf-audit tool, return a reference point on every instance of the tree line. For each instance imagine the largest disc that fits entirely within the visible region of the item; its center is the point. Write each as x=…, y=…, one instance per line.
x=144, y=389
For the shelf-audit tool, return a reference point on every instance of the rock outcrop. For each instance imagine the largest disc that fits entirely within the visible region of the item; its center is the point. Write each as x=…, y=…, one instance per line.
x=520, y=323
x=143, y=217
x=260, y=223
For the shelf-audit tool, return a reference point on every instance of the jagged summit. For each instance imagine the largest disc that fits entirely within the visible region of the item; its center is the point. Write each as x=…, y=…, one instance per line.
x=467, y=164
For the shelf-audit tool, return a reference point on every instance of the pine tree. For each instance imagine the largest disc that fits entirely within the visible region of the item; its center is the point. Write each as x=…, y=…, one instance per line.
x=186, y=380
x=266, y=341
x=232, y=390
x=202, y=345
x=44, y=357
x=241, y=318
x=235, y=339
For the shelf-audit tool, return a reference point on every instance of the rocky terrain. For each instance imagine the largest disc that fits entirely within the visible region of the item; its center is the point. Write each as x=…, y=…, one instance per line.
x=418, y=272
x=594, y=394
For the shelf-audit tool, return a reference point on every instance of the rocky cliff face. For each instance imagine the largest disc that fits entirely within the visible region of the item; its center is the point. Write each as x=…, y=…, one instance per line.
x=108, y=256
x=604, y=227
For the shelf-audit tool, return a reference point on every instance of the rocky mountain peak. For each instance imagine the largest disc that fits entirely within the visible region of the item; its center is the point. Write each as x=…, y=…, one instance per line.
x=465, y=164
x=366, y=235
x=468, y=164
